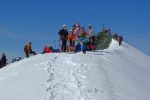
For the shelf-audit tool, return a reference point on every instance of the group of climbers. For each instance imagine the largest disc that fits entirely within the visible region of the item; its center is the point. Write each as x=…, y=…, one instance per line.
x=79, y=39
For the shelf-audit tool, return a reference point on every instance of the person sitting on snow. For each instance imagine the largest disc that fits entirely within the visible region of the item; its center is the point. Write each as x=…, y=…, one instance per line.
x=47, y=49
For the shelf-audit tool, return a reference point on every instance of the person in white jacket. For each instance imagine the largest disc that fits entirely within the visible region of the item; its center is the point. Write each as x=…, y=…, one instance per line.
x=91, y=34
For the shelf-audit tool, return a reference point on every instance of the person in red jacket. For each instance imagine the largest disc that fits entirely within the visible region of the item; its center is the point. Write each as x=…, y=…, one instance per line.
x=47, y=50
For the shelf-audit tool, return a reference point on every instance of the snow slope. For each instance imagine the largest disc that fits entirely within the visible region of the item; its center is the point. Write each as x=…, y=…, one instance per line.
x=118, y=73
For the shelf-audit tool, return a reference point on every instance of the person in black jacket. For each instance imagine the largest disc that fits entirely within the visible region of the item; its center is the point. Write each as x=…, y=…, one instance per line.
x=63, y=37
x=120, y=39
x=3, y=60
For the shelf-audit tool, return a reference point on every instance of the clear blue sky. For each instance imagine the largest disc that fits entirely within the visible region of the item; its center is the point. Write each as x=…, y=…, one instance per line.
x=39, y=21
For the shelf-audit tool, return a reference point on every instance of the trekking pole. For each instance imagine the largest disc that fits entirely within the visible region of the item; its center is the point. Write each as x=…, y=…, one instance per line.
x=59, y=41
x=54, y=44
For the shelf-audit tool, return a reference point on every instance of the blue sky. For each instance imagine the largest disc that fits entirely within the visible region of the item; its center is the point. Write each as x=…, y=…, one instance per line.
x=39, y=21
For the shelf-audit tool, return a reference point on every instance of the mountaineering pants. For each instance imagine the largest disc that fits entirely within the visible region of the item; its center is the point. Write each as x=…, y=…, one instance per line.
x=64, y=45
x=91, y=38
x=31, y=52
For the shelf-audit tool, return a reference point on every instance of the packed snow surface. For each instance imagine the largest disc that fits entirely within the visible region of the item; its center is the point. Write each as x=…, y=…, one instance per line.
x=117, y=73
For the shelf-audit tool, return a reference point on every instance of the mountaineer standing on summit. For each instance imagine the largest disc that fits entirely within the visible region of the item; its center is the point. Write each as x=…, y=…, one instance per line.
x=63, y=37
x=91, y=34
x=28, y=50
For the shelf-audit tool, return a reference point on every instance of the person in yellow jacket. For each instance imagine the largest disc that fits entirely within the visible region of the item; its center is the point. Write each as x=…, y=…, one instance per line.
x=28, y=50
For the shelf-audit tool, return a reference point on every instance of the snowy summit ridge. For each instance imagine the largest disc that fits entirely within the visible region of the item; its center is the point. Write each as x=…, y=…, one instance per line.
x=117, y=73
